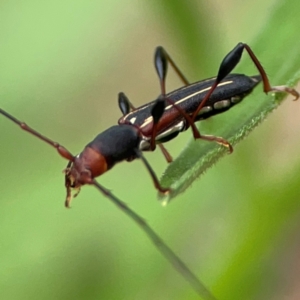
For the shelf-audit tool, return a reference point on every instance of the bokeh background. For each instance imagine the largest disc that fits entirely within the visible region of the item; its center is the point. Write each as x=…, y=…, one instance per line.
x=62, y=65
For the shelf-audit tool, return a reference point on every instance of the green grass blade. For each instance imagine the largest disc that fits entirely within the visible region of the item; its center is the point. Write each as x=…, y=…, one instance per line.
x=278, y=49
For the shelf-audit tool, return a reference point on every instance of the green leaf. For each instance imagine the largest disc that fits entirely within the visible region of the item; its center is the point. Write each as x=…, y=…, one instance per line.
x=278, y=49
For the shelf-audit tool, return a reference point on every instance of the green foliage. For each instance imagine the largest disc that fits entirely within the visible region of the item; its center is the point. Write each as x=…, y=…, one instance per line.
x=62, y=65
x=197, y=157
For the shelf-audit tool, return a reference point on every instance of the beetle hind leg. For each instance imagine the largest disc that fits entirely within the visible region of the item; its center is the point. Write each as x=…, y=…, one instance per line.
x=285, y=89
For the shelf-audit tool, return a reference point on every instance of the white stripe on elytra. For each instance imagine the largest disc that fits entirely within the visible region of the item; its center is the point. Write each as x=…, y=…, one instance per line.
x=149, y=119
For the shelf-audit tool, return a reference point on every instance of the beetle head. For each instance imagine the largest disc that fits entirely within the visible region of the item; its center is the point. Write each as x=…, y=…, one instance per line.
x=75, y=176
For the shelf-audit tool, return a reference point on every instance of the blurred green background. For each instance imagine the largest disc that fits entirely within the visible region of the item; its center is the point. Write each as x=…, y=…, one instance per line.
x=62, y=65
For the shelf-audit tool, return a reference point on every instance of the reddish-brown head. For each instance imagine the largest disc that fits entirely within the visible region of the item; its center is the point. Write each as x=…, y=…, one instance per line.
x=85, y=166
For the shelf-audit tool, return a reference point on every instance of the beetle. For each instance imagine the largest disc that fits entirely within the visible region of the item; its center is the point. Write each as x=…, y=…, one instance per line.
x=141, y=129
x=229, y=92
x=164, y=118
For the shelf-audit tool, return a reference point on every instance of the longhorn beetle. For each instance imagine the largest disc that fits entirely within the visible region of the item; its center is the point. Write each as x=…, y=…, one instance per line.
x=141, y=129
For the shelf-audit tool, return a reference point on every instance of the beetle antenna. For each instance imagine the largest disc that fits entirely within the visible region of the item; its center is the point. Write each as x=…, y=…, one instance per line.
x=60, y=149
x=165, y=250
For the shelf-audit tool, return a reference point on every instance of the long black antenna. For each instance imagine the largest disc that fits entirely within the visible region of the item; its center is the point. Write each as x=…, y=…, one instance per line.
x=165, y=250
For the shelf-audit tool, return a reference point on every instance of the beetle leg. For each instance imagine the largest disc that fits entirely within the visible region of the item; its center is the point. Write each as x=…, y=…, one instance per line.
x=166, y=153
x=124, y=104
x=265, y=79
x=228, y=64
x=157, y=111
x=126, y=107
x=152, y=173
x=161, y=66
x=219, y=140
x=161, y=60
